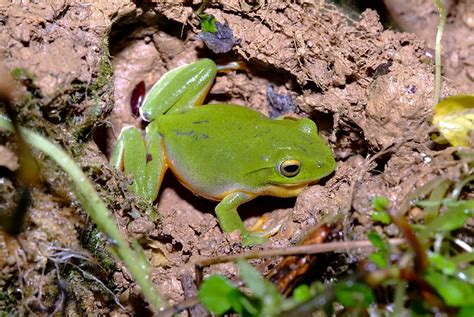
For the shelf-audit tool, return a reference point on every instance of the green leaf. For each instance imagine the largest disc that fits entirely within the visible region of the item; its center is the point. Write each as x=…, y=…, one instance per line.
x=428, y=203
x=454, y=218
x=469, y=273
x=218, y=294
x=354, y=295
x=302, y=293
x=454, y=118
x=379, y=260
x=465, y=205
x=380, y=214
x=463, y=258
x=247, y=306
x=466, y=311
x=377, y=241
x=380, y=203
x=442, y=263
x=261, y=288
x=454, y=292
x=436, y=196
x=208, y=23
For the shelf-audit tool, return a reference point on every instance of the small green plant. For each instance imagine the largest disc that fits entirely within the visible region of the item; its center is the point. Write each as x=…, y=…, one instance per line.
x=380, y=214
x=219, y=295
x=208, y=23
x=21, y=74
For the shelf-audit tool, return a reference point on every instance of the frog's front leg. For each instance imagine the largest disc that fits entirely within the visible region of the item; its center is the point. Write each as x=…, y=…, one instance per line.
x=143, y=159
x=230, y=220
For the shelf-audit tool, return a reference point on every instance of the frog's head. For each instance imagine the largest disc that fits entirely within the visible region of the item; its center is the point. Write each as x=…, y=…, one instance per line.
x=296, y=160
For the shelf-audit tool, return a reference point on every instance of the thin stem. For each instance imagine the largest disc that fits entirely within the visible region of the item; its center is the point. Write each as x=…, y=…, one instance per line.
x=399, y=298
x=439, y=35
x=202, y=7
x=300, y=249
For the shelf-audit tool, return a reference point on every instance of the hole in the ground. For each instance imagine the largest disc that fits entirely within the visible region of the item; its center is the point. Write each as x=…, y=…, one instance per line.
x=350, y=141
x=361, y=6
x=381, y=162
x=323, y=120
x=100, y=139
x=311, y=85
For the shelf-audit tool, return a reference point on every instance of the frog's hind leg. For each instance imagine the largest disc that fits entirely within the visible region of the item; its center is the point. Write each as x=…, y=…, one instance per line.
x=181, y=88
x=142, y=159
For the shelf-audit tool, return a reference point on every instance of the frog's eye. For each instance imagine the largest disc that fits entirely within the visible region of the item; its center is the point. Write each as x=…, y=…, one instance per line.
x=289, y=168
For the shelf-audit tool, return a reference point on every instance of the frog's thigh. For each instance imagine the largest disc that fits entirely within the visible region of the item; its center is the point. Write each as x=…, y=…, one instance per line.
x=179, y=89
x=226, y=212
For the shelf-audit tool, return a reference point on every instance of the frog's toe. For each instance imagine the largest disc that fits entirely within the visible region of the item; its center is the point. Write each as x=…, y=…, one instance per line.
x=250, y=239
x=258, y=229
x=258, y=226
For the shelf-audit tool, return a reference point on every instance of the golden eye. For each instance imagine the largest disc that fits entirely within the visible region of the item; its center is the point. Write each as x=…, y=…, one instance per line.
x=290, y=168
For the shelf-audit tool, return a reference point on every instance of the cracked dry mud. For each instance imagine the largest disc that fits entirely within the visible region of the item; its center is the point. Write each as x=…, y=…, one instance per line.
x=369, y=89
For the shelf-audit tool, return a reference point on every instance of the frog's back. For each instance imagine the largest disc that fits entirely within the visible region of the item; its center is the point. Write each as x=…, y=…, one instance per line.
x=213, y=148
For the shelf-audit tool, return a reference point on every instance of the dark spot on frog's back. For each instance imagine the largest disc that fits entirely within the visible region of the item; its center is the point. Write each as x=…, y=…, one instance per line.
x=149, y=157
x=201, y=121
x=192, y=134
x=184, y=133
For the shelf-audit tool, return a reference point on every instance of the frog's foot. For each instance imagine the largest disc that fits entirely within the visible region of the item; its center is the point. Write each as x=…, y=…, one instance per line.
x=230, y=220
x=258, y=234
x=251, y=238
x=258, y=229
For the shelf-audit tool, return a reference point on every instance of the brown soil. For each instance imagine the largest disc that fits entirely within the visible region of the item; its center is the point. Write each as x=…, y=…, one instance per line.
x=369, y=90
x=421, y=18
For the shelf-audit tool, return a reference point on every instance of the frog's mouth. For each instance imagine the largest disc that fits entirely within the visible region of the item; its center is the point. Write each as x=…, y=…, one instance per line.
x=286, y=190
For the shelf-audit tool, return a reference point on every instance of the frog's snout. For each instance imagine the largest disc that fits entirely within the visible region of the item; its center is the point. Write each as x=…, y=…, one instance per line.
x=326, y=166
